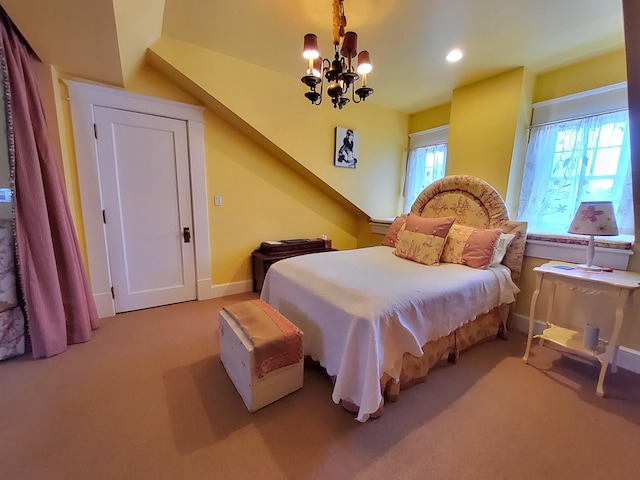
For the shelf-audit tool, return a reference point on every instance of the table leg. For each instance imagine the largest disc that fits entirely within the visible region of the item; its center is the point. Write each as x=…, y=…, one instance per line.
x=532, y=311
x=611, y=351
x=552, y=299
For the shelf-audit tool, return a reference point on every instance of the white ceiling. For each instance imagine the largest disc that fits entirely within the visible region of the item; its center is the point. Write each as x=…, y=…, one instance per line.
x=407, y=39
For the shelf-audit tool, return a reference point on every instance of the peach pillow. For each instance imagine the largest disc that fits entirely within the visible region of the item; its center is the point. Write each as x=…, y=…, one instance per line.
x=391, y=238
x=470, y=246
x=429, y=225
x=422, y=239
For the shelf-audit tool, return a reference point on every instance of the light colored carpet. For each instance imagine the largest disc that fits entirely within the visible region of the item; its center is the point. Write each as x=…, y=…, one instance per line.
x=148, y=398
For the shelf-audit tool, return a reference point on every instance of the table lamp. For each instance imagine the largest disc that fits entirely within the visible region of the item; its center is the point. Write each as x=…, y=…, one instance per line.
x=593, y=218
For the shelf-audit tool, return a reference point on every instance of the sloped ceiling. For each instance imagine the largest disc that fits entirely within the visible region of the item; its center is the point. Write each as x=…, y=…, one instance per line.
x=104, y=40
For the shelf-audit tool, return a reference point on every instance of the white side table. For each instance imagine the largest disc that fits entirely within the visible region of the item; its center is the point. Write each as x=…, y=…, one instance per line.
x=617, y=283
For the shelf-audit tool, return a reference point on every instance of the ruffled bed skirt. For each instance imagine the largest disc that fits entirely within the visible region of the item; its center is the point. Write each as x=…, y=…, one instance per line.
x=485, y=327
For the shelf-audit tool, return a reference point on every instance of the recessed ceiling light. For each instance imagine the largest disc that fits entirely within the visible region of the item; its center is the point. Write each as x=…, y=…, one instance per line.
x=454, y=55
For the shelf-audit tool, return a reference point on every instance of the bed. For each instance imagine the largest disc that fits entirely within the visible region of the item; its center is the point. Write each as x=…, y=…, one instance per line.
x=378, y=318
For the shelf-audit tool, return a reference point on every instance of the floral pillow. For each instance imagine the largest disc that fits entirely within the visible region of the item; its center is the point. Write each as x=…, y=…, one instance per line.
x=391, y=238
x=422, y=239
x=470, y=246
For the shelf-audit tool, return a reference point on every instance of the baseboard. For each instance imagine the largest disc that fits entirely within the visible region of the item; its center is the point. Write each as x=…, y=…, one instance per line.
x=104, y=304
x=224, y=289
x=203, y=286
x=628, y=358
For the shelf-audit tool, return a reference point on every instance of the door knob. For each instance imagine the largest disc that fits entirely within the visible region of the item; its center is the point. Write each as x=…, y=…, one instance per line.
x=186, y=234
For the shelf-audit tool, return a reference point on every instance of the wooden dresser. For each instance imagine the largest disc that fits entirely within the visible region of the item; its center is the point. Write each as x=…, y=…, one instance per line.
x=270, y=252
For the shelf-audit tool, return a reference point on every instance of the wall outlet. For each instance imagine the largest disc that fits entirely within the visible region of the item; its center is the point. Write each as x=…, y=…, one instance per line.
x=217, y=200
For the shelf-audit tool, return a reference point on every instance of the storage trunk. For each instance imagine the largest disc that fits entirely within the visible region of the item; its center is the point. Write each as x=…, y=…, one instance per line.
x=237, y=355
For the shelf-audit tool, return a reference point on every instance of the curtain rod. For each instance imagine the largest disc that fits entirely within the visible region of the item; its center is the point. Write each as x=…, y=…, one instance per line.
x=580, y=117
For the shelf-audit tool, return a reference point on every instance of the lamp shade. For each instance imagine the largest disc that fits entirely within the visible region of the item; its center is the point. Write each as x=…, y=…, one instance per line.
x=364, y=62
x=310, y=49
x=594, y=218
x=349, y=45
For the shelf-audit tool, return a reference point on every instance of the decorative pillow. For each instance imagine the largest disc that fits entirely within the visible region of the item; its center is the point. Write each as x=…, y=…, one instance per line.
x=429, y=225
x=470, y=246
x=391, y=238
x=500, y=249
x=423, y=246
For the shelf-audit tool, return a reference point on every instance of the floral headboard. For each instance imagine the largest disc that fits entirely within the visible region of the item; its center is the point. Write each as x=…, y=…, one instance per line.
x=477, y=204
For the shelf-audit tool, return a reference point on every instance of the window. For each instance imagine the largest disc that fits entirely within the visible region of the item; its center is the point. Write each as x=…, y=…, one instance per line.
x=424, y=165
x=570, y=161
x=426, y=162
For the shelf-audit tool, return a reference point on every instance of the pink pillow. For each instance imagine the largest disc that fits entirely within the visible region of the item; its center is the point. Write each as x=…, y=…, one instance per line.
x=422, y=239
x=438, y=226
x=391, y=238
x=470, y=246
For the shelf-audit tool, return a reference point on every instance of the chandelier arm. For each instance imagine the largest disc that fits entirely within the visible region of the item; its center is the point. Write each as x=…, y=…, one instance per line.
x=353, y=95
x=321, y=82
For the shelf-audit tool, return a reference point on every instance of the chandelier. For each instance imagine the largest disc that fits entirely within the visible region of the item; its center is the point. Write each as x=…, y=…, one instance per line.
x=340, y=75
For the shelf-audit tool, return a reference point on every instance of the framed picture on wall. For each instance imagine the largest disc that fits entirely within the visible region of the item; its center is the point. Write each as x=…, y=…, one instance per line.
x=346, y=152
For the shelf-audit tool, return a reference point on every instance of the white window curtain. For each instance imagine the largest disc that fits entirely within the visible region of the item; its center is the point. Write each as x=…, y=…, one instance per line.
x=578, y=160
x=424, y=165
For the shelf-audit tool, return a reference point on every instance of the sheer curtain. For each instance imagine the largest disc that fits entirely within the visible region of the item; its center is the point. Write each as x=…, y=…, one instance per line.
x=58, y=302
x=578, y=160
x=424, y=165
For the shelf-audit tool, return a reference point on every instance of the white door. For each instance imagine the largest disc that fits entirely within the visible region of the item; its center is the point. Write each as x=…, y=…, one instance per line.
x=143, y=166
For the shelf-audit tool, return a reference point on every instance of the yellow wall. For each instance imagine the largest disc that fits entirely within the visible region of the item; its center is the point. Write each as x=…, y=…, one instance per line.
x=138, y=24
x=482, y=132
x=600, y=71
x=437, y=116
x=278, y=112
x=263, y=199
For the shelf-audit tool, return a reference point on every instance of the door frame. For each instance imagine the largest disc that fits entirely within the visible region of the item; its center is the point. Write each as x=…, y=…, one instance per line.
x=83, y=97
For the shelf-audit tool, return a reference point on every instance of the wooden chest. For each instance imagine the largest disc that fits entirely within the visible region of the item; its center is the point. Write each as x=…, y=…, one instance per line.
x=241, y=358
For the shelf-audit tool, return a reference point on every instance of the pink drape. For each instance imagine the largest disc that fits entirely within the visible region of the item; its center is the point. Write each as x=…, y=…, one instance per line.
x=58, y=301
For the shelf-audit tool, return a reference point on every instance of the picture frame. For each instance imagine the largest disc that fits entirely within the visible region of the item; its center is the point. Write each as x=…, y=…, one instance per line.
x=346, y=148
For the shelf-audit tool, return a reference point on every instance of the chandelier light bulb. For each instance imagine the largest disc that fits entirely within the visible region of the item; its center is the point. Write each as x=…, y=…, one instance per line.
x=317, y=67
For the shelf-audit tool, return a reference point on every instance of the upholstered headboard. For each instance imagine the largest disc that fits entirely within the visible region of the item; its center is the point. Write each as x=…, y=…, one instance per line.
x=475, y=203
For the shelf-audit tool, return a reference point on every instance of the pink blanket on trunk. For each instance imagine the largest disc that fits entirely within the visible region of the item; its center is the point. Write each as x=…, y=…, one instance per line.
x=277, y=341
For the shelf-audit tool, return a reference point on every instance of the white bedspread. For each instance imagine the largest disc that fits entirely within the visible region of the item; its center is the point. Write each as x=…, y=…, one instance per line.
x=361, y=309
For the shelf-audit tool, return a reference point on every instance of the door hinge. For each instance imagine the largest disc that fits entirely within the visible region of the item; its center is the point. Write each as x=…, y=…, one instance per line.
x=113, y=293
x=95, y=130
x=104, y=216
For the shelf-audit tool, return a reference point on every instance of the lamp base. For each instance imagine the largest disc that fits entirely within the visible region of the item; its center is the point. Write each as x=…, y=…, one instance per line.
x=589, y=268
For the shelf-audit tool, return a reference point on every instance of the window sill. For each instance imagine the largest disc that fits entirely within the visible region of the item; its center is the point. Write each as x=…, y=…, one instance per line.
x=612, y=252
x=380, y=225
